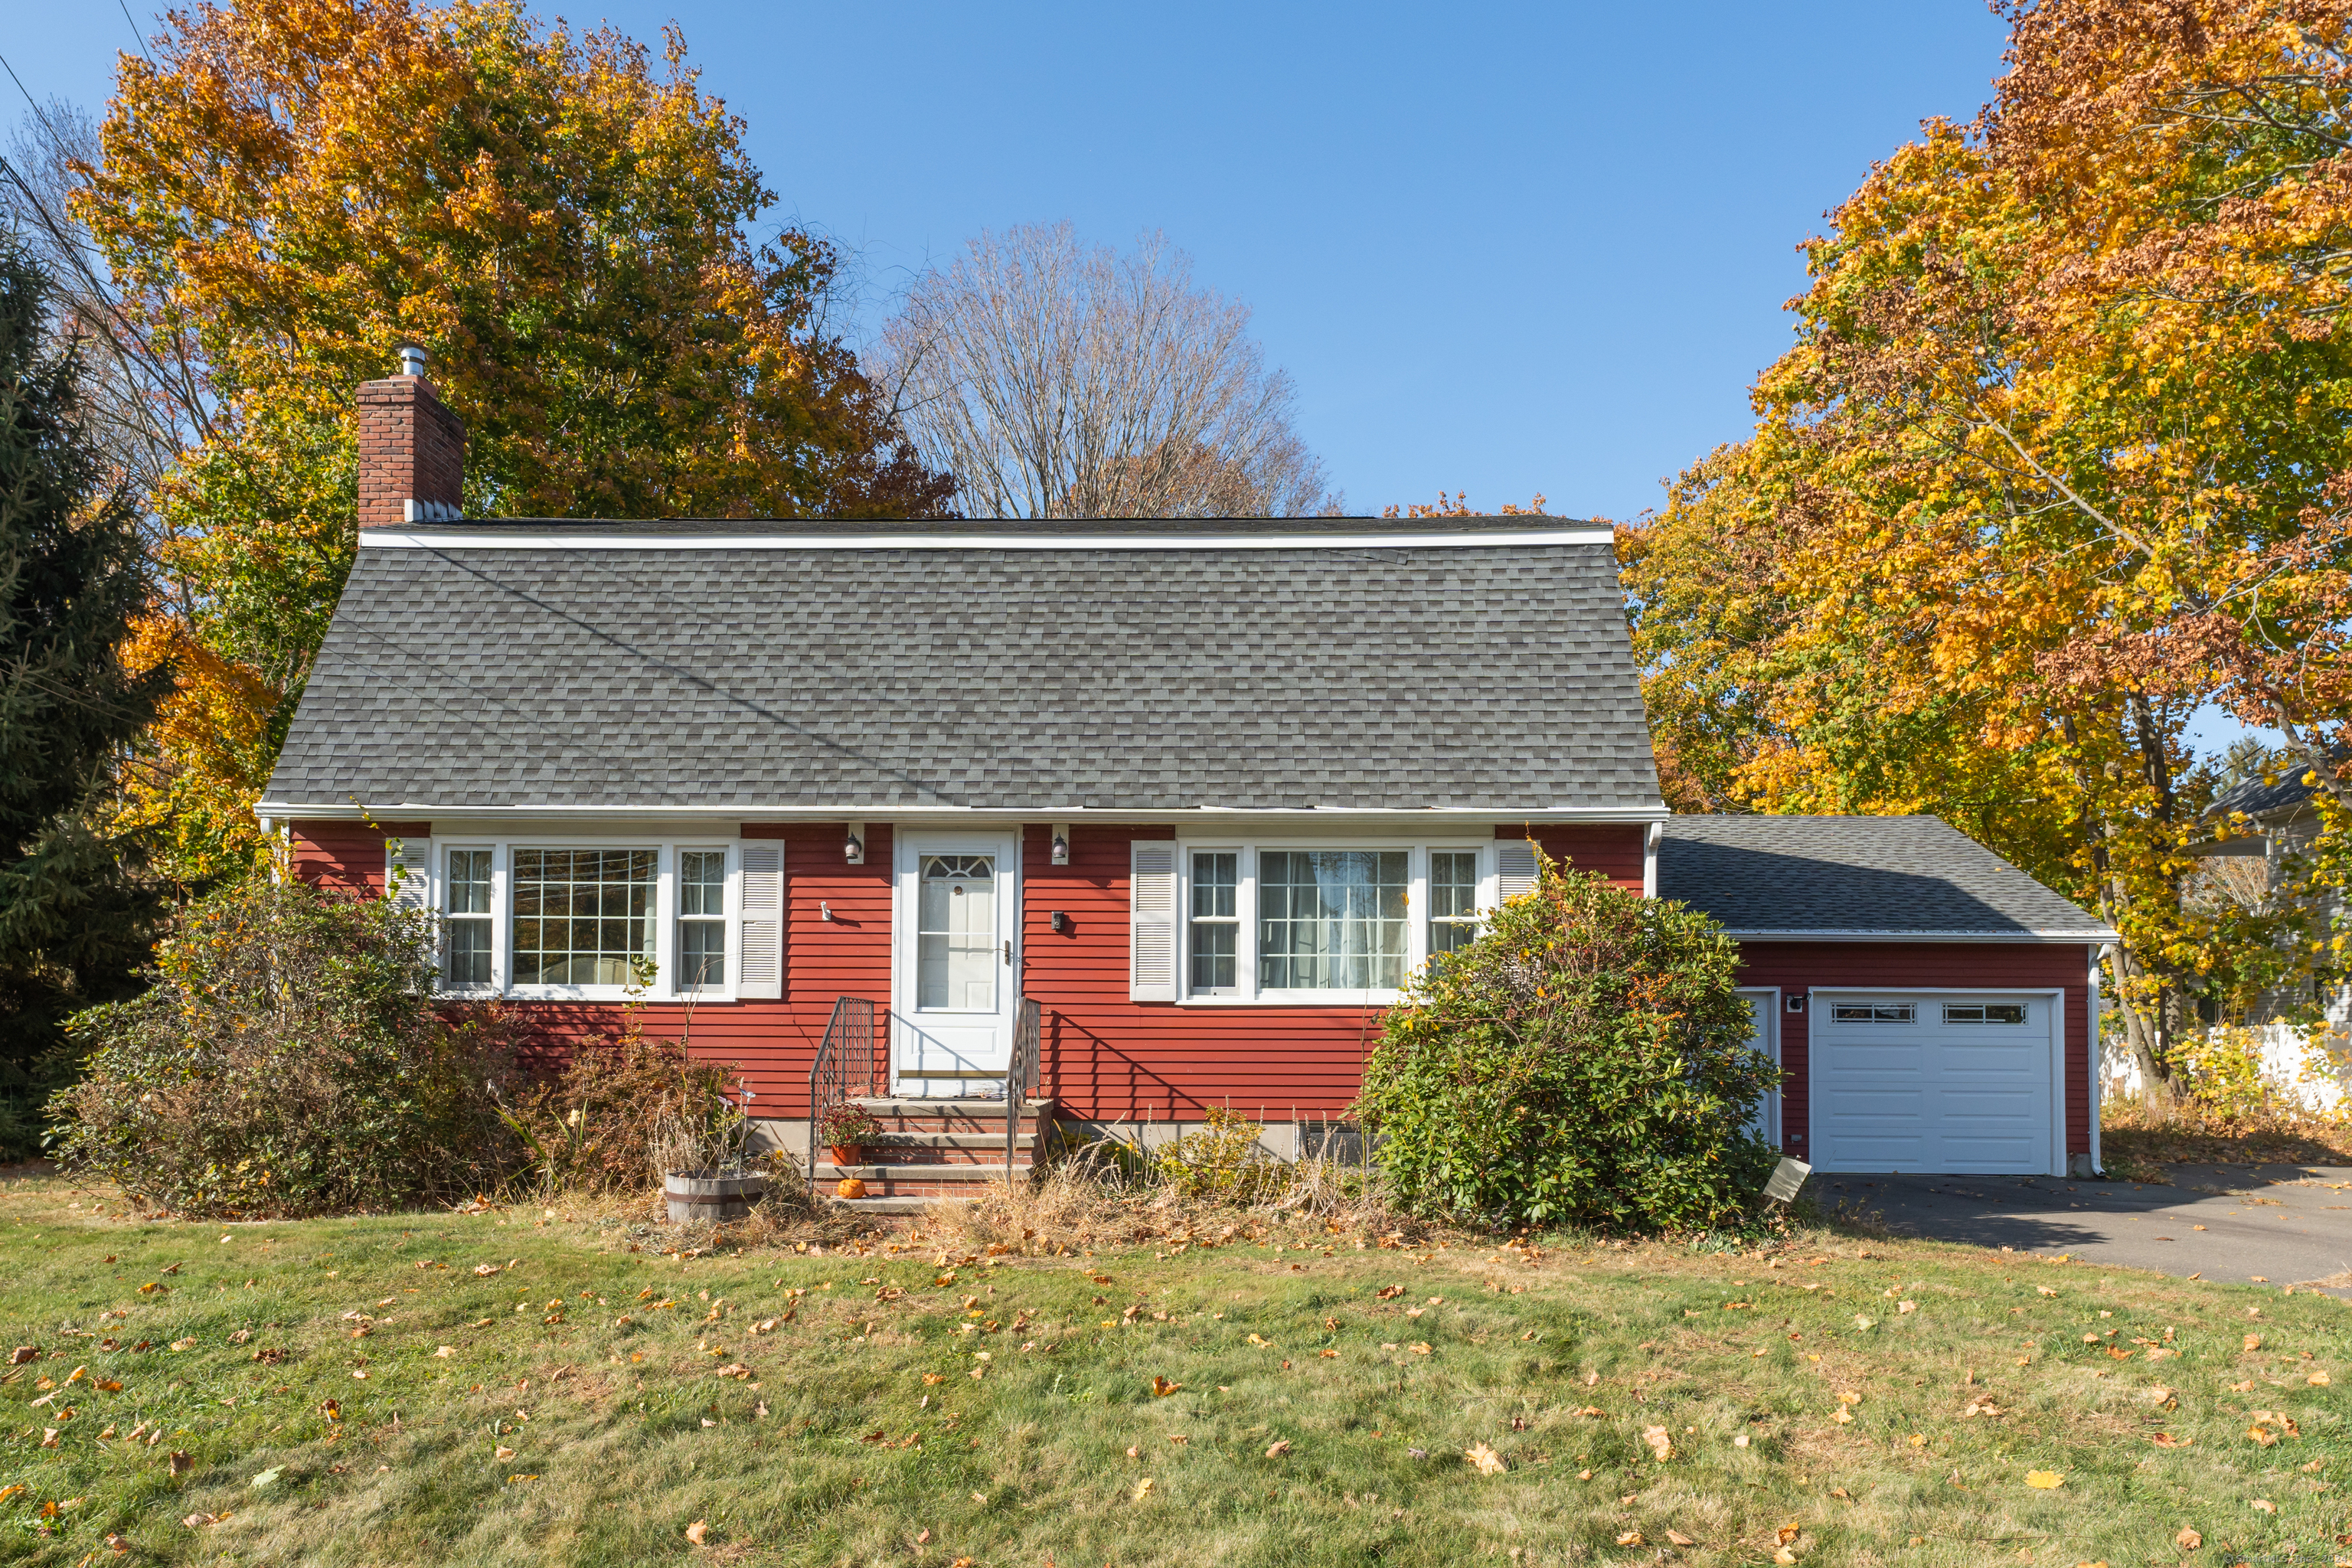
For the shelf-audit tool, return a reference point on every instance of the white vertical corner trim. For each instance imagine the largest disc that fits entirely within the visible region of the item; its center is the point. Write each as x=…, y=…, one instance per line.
x=413, y=889
x=762, y=967
x=1651, y=836
x=1151, y=919
x=1514, y=868
x=2098, y=1080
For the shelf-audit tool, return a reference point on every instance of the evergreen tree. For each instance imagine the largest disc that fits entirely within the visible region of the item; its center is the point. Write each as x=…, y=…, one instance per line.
x=74, y=920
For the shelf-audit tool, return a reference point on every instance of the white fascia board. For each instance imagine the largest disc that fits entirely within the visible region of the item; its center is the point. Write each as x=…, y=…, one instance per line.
x=485, y=536
x=917, y=815
x=2095, y=934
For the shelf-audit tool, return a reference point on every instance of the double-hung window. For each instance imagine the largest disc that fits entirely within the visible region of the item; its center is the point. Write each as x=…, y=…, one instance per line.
x=1215, y=921
x=584, y=917
x=466, y=915
x=1453, y=899
x=702, y=919
x=1323, y=923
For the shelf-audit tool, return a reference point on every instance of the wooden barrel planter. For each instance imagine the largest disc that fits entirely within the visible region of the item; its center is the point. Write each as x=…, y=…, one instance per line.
x=712, y=1194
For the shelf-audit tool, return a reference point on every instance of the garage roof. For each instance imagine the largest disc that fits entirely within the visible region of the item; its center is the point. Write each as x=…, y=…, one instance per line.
x=1903, y=879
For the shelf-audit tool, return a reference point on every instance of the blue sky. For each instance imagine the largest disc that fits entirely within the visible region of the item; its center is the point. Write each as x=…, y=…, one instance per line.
x=1500, y=248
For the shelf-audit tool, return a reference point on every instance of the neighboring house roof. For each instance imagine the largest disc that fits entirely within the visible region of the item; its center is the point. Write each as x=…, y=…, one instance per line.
x=1908, y=878
x=2282, y=793
x=1164, y=666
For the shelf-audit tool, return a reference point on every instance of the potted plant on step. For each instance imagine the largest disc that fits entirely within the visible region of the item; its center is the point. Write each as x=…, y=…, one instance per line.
x=846, y=1129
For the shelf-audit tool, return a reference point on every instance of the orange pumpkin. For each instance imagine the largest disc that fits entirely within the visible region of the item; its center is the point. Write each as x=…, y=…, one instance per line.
x=851, y=1187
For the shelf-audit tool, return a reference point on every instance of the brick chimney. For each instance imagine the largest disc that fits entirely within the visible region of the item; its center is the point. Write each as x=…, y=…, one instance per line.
x=412, y=449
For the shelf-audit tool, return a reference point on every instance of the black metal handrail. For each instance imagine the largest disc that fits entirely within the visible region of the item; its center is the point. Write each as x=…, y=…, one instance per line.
x=848, y=1037
x=1020, y=1078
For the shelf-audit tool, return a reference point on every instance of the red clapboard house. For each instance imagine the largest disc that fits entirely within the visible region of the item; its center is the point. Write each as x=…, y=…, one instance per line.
x=1149, y=815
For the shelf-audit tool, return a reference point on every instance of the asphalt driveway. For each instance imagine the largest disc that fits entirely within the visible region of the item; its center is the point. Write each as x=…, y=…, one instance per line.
x=2279, y=1224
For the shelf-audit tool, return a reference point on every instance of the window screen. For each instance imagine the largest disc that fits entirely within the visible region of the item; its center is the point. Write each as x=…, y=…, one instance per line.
x=466, y=910
x=1215, y=920
x=702, y=919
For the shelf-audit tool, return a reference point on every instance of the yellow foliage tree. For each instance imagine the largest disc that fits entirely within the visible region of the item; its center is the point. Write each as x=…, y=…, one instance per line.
x=2060, y=457
x=297, y=187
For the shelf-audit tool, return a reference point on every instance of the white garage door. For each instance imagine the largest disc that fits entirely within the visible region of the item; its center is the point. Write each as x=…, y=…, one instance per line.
x=1936, y=1083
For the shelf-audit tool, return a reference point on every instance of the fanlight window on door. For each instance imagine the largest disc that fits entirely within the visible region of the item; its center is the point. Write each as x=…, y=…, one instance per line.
x=955, y=933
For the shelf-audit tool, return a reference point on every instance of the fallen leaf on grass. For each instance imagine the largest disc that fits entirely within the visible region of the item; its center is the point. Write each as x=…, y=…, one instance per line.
x=1787, y=1533
x=1277, y=1449
x=2263, y=1505
x=1389, y=1293
x=1842, y=1416
x=698, y=1531
x=502, y=1454
x=1485, y=1460
x=2254, y=1342
x=181, y=1464
x=1679, y=1539
x=2317, y=1380
x=1630, y=1538
x=1162, y=1388
x=1327, y=1355
x=1418, y=1347
x=2044, y=1480
x=2166, y=1441
x=1661, y=1444
x=1907, y=1306
x=2189, y=1540
x=1143, y=1488
x=1592, y=1410
x=2263, y=1435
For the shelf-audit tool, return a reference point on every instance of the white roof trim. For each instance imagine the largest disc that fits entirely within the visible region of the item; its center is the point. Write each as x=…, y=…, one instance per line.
x=352, y=811
x=2093, y=934
x=487, y=536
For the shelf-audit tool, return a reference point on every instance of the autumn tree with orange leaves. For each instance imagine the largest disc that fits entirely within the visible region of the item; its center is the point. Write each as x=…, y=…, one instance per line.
x=288, y=189
x=2063, y=455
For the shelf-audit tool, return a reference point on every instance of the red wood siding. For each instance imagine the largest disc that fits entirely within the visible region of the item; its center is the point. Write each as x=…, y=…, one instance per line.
x=1612, y=849
x=1107, y=1058
x=347, y=855
x=2024, y=966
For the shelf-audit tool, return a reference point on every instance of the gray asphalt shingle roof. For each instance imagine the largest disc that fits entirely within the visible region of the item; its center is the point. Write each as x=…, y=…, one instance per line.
x=1245, y=677
x=1898, y=876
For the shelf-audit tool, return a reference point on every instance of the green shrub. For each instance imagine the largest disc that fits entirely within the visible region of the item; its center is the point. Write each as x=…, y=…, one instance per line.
x=289, y=1058
x=1585, y=1061
x=1221, y=1161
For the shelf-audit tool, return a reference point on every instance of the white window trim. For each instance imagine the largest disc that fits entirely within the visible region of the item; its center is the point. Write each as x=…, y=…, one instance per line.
x=1246, y=992
x=665, y=903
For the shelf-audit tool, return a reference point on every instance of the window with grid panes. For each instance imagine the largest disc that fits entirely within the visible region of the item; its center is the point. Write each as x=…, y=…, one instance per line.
x=1215, y=921
x=1453, y=899
x=466, y=915
x=582, y=916
x=1331, y=920
x=701, y=920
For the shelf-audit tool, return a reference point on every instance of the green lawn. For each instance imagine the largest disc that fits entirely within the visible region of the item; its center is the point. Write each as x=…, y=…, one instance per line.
x=586, y=1413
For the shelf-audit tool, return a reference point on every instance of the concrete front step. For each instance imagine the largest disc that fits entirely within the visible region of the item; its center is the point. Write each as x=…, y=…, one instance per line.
x=929, y=1140
x=911, y=1203
x=917, y=1181
x=943, y=1110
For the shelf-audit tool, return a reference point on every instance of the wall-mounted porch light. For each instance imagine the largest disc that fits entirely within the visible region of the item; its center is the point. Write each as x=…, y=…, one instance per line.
x=1061, y=847
x=1061, y=923
x=853, y=849
x=1795, y=1001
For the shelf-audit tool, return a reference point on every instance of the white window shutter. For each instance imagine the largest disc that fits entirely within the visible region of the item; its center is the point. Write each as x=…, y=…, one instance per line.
x=414, y=857
x=1514, y=868
x=761, y=968
x=1152, y=921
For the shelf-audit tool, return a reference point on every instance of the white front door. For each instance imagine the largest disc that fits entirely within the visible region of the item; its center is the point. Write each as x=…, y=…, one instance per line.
x=957, y=969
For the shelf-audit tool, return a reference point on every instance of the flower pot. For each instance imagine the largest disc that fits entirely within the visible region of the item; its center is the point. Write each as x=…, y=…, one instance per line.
x=848, y=1153
x=712, y=1194
x=850, y=1187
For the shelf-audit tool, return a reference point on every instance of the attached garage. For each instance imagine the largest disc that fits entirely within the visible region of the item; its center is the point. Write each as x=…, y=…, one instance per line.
x=1930, y=1003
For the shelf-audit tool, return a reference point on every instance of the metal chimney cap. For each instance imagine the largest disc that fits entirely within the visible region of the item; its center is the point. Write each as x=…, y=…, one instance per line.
x=412, y=360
